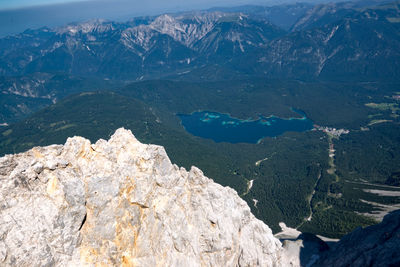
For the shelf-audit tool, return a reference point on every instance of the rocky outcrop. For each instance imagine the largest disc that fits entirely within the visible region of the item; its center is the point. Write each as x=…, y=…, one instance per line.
x=376, y=245
x=122, y=203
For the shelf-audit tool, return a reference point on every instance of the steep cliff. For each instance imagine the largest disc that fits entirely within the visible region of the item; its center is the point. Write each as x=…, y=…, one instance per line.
x=122, y=203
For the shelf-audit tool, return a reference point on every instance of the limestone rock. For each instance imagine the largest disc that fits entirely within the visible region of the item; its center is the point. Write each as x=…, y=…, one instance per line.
x=122, y=203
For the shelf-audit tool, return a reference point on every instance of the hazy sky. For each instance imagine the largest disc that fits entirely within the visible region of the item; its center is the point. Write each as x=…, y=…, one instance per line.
x=7, y=4
x=13, y=4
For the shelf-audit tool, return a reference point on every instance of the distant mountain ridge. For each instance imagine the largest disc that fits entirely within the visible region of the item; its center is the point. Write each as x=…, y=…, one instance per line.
x=327, y=42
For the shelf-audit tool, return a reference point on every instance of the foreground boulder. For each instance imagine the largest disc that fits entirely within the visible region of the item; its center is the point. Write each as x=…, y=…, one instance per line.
x=122, y=203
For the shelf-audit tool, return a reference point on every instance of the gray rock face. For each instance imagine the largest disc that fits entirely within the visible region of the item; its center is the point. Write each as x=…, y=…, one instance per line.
x=377, y=245
x=122, y=203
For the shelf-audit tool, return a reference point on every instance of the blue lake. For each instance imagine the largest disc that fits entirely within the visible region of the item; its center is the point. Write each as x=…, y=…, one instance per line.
x=223, y=128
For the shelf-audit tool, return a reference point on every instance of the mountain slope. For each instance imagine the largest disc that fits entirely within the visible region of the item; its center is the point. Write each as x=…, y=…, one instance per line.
x=360, y=47
x=22, y=95
x=377, y=245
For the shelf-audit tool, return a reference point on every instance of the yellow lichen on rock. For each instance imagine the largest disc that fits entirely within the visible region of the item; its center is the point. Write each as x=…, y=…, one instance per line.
x=127, y=261
x=126, y=230
x=36, y=153
x=52, y=185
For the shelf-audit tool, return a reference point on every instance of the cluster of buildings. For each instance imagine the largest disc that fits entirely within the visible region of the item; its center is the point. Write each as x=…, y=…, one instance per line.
x=332, y=131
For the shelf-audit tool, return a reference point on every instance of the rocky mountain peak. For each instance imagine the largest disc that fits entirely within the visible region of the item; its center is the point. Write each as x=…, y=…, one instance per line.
x=121, y=202
x=94, y=25
x=186, y=30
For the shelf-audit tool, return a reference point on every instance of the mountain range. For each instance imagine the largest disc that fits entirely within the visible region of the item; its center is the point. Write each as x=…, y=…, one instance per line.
x=334, y=41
